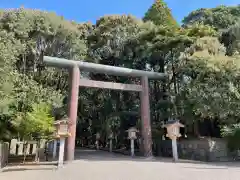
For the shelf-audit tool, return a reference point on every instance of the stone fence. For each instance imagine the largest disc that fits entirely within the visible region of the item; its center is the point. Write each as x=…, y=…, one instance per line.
x=4, y=149
x=203, y=149
x=20, y=151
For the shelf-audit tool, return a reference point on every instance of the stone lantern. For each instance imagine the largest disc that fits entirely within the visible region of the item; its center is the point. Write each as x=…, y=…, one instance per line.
x=132, y=135
x=173, y=132
x=61, y=129
x=61, y=132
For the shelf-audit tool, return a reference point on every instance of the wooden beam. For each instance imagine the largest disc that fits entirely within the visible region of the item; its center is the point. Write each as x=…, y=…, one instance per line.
x=110, y=85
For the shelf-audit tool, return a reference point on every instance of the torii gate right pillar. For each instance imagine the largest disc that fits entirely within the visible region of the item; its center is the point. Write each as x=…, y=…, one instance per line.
x=145, y=118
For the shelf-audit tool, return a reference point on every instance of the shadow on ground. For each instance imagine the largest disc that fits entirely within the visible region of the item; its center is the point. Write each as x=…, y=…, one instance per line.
x=11, y=167
x=99, y=155
x=24, y=168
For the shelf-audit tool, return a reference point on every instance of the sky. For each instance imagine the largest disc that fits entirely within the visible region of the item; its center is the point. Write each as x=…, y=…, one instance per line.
x=91, y=10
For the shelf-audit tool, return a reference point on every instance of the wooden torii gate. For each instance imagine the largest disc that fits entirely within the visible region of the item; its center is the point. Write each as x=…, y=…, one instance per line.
x=75, y=67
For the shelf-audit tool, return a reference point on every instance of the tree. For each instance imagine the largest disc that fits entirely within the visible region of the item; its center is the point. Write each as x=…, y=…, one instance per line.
x=210, y=78
x=37, y=123
x=232, y=134
x=160, y=14
x=43, y=33
x=221, y=17
x=157, y=48
x=25, y=35
x=200, y=30
x=9, y=49
x=24, y=100
x=200, y=75
x=106, y=46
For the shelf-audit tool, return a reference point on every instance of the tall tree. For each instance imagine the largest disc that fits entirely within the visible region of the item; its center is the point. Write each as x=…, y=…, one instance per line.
x=160, y=14
x=25, y=35
x=106, y=46
x=210, y=78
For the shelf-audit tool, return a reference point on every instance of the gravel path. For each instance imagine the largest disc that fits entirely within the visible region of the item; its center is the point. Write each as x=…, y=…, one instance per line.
x=98, y=165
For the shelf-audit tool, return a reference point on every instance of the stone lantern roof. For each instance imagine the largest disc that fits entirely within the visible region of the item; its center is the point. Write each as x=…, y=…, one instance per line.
x=173, y=122
x=64, y=119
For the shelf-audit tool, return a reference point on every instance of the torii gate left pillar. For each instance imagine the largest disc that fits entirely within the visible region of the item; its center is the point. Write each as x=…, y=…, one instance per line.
x=72, y=111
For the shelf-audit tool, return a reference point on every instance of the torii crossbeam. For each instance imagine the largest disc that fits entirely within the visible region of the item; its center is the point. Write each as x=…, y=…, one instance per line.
x=76, y=66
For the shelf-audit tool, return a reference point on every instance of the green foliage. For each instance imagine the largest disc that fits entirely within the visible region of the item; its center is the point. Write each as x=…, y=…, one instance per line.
x=24, y=33
x=200, y=30
x=38, y=32
x=9, y=50
x=201, y=74
x=211, y=78
x=232, y=134
x=36, y=123
x=231, y=40
x=160, y=14
x=107, y=46
x=221, y=17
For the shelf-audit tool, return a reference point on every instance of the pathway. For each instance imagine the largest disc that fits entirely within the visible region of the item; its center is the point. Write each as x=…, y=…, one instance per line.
x=98, y=165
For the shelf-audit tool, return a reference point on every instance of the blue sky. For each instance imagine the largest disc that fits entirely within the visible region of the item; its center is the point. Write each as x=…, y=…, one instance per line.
x=90, y=10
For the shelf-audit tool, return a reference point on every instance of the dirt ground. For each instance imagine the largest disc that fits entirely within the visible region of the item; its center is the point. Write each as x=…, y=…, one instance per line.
x=98, y=165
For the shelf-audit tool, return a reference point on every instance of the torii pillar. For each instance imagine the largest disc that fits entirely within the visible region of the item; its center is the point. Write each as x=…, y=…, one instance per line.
x=145, y=118
x=72, y=112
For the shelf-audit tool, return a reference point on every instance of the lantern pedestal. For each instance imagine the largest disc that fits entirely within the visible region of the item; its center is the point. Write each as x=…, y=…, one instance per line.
x=132, y=148
x=174, y=149
x=61, y=152
x=62, y=139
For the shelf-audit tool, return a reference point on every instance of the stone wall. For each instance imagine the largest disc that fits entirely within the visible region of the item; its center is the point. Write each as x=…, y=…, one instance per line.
x=204, y=149
x=4, y=150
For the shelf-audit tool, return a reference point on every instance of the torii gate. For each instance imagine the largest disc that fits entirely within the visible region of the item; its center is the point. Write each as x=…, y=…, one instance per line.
x=74, y=68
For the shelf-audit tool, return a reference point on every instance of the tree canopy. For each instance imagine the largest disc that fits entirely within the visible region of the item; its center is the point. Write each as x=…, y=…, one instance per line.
x=221, y=17
x=160, y=14
x=201, y=60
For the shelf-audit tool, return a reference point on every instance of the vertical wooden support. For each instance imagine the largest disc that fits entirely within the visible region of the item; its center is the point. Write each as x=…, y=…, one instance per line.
x=72, y=114
x=145, y=118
